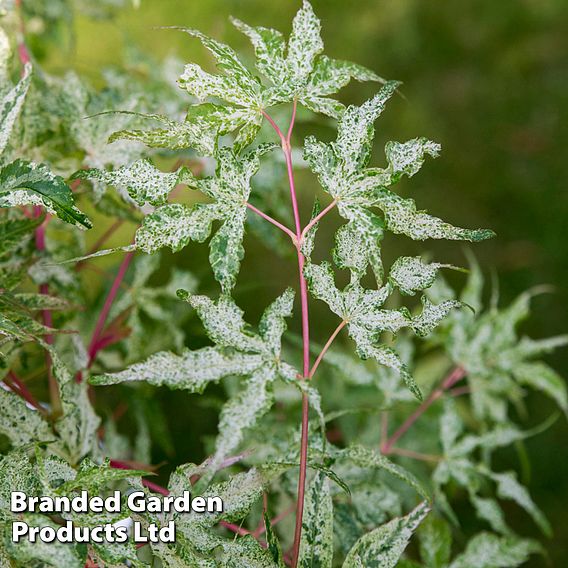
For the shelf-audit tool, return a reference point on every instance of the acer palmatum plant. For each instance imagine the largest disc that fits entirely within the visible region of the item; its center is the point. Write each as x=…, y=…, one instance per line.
x=347, y=478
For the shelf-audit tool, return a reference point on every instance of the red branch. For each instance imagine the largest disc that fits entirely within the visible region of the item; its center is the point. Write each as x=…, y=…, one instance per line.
x=455, y=376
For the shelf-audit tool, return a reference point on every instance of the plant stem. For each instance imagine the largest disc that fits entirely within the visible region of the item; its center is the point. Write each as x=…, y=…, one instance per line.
x=93, y=350
x=453, y=377
x=23, y=53
x=384, y=428
x=14, y=383
x=317, y=218
x=287, y=149
x=326, y=347
x=273, y=221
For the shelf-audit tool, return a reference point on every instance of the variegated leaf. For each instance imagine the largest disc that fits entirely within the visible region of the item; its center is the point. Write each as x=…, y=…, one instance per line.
x=11, y=105
x=142, y=180
x=26, y=183
x=383, y=547
x=316, y=546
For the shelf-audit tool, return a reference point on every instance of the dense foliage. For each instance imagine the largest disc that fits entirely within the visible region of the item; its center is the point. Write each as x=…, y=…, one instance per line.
x=348, y=479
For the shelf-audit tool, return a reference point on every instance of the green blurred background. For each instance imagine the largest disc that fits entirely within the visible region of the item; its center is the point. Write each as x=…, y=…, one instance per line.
x=488, y=79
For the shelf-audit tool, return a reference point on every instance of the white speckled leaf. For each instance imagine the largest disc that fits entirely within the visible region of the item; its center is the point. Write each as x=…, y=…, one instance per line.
x=237, y=87
x=238, y=351
x=54, y=554
x=297, y=70
x=316, y=546
x=21, y=424
x=402, y=218
x=191, y=371
x=545, y=379
x=272, y=324
x=487, y=550
x=26, y=183
x=383, y=547
x=11, y=105
x=508, y=487
x=174, y=225
x=243, y=412
x=411, y=275
x=199, y=130
x=406, y=158
x=362, y=310
x=342, y=170
x=435, y=541
x=79, y=424
x=366, y=458
x=245, y=551
x=304, y=44
x=270, y=49
x=144, y=182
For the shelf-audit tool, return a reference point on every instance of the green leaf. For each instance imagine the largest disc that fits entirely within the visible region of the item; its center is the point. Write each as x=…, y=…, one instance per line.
x=26, y=183
x=273, y=544
x=142, y=180
x=383, y=547
x=489, y=551
x=11, y=105
x=316, y=545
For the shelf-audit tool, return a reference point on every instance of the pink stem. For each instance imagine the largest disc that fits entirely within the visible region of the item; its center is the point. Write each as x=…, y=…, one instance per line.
x=23, y=53
x=459, y=391
x=326, y=347
x=117, y=464
x=317, y=218
x=19, y=387
x=93, y=349
x=235, y=528
x=384, y=428
x=287, y=149
x=274, y=521
x=273, y=221
x=456, y=375
x=274, y=125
